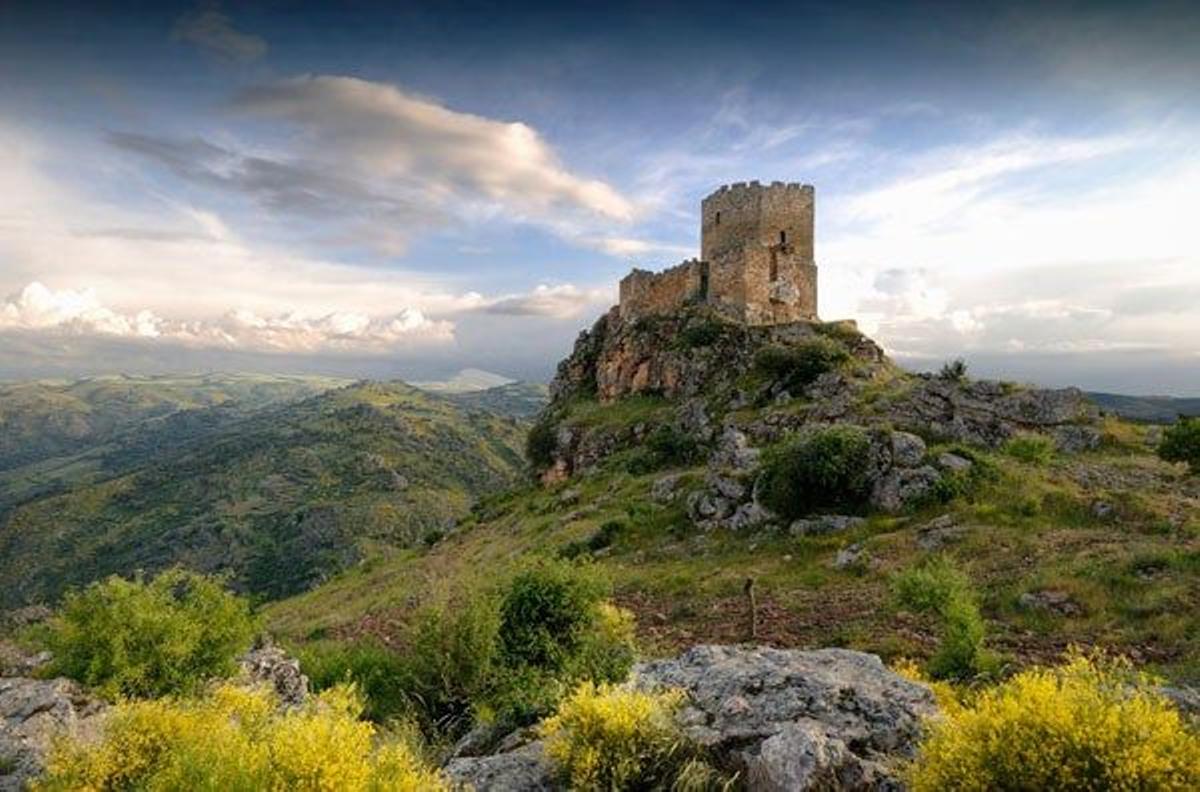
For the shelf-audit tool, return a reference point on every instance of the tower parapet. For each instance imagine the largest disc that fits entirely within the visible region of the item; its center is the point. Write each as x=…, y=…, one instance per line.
x=756, y=263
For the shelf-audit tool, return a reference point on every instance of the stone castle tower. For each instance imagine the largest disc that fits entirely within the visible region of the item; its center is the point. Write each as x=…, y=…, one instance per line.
x=756, y=260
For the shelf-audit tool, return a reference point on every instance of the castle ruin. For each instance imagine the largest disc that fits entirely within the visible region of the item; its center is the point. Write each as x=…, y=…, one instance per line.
x=756, y=260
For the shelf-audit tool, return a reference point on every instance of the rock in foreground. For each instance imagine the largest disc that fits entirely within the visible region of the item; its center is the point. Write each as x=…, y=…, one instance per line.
x=785, y=720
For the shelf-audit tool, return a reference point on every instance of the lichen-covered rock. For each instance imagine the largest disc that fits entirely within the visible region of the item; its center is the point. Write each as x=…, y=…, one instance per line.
x=900, y=487
x=33, y=712
x=524, y=769
x=824, y=524
x=270, y=665
x=796, y=720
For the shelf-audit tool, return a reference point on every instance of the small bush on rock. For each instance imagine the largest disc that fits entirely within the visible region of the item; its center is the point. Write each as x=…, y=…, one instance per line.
x=954, y=371
x=606, y=738
x=1087, y=725
x=1181, y=443
x=938, y=586
x=138, y=639
x=237, y=739
x=798, y=365
x=826, y=468
x=1030, y=447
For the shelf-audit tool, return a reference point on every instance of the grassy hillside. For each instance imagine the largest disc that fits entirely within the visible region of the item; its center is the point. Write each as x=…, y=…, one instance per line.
x=1115, y=532
x=280, y=498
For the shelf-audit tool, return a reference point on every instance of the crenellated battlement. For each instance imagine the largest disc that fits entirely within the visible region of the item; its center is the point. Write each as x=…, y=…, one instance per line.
x=756, y=261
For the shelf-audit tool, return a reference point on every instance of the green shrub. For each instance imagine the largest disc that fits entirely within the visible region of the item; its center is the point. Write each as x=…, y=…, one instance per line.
x=1181, y=443
x=545, y=612
x=665, y=446
x=938, y=586
x=845, y=332
x=375, y=671
x=239, y=739
x=541, y=442
x=701, y=334
x=507, y=654
x=450, y=663
x=826, y=468
x=797, y=365
x=954, y=371
x=1087, y=725
x=1030, y=447
x=605, y=738
x=137, y=639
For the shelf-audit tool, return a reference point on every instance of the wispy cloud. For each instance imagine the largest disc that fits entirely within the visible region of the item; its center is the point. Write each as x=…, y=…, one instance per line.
x=564, y=301
x=212, y=30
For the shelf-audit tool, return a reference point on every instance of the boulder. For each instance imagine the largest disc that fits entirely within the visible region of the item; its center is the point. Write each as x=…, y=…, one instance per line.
x=940, y=531
x=32, y=713
x=796, y=720
x=524, y=769
x=1058, y=603
x=851, y=556
x=270, y=665
x=900, y=487
x=824, y=524
x=665, y=489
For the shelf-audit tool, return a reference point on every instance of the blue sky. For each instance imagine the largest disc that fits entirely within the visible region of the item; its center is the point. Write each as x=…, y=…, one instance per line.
x=358, y=189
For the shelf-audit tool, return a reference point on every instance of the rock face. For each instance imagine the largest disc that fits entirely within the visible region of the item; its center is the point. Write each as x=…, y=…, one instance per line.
x=681, y=355
x=785, y=720
x=32, y=713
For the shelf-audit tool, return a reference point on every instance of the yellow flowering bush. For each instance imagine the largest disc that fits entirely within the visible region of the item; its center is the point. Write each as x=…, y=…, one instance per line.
x=237, y=739
x=616, y=738
x=1090, y=724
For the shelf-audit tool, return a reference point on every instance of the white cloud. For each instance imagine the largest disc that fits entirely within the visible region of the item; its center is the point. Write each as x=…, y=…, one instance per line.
x=80, y=313
x=212, y=30
x=1021, y=246
x=628, y=246
x=397, y=141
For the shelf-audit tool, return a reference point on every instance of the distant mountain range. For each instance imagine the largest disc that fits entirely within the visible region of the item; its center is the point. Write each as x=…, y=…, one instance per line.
x=1149, y=409
x=279, y=482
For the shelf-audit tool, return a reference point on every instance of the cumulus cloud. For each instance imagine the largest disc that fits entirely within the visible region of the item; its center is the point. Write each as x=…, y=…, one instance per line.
x=213, y=31
x=81, y=313
x=374, y=166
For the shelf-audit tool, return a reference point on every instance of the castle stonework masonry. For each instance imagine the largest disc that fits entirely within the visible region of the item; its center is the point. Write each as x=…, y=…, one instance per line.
x=756, y=264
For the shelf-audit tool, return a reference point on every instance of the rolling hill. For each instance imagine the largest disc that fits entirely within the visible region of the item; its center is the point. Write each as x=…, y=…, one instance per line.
x=279, y=497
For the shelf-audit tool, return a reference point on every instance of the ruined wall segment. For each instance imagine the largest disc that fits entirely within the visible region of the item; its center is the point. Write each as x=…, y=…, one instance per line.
x=757, y=264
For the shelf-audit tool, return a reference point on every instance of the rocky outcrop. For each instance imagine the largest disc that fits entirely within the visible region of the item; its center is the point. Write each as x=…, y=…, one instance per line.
x=32, y=713
x=270, y=666
x=690, y=353
x=784, y=720
x=987, y=413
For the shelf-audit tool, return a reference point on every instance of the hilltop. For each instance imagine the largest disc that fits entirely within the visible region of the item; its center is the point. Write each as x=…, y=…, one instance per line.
x=651, y=460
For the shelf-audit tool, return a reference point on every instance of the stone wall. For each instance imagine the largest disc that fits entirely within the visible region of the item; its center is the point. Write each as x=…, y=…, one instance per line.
x=645, y=293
